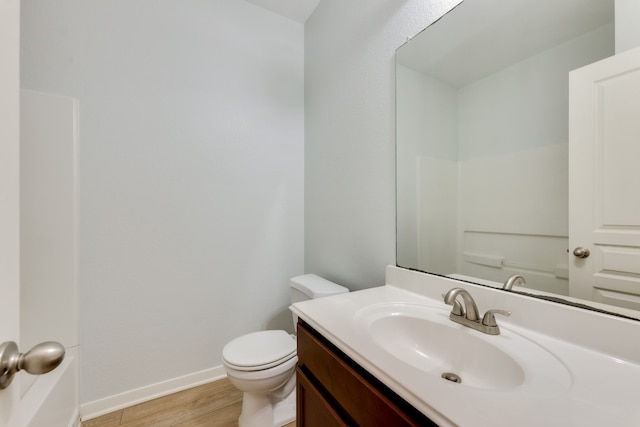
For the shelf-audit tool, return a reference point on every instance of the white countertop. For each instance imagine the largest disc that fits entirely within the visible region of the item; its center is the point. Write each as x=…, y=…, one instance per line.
x=600, y=388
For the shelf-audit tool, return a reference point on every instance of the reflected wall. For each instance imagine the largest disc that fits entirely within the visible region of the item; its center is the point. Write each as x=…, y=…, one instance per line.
x=482, y=163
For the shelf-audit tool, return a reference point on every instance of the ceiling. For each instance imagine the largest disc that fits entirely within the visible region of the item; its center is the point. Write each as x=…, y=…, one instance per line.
x=492, y=38
x=298, y=10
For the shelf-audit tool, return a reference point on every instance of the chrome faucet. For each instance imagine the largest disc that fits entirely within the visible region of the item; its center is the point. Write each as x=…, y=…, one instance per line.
x=516, y=279
x=467, y=314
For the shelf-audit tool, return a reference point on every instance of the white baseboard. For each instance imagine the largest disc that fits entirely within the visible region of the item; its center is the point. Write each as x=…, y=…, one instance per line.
x=109, y=404
x=75, y=421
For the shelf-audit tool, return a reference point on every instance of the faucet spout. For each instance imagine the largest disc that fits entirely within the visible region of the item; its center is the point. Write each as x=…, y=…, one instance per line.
x=516, y=279
x=470, y=307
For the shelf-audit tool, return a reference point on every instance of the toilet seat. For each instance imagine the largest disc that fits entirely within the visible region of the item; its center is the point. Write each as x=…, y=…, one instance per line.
x=259, y=350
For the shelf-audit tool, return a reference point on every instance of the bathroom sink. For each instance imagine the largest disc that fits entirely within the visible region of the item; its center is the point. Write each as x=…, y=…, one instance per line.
x=424, y=338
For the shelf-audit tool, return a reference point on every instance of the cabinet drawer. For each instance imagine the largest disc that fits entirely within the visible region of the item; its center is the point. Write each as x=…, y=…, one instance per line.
x=313, y=410
x=365, y=399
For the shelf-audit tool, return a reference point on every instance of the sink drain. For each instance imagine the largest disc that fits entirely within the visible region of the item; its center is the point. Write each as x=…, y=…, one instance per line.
x=450, y=376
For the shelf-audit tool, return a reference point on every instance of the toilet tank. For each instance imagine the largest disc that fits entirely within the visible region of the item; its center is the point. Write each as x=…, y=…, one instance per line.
x=310, y=286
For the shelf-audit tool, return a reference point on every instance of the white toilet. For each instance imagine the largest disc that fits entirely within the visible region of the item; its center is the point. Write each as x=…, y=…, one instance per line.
x=262, y=364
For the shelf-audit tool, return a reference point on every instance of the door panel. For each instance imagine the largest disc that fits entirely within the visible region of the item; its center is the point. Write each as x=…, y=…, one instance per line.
x=9, y=192
x=604, y=209
x=48, y=300
x=52, y=400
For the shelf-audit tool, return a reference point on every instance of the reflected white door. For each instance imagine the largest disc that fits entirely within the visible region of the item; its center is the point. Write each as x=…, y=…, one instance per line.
x=9, y=193
x=604, y=181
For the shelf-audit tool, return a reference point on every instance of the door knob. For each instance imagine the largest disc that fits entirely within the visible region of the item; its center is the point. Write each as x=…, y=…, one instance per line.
x=581, y=252
x=41, y=359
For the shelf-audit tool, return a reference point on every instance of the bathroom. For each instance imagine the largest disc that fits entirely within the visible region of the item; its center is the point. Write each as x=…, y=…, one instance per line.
x=228, y=149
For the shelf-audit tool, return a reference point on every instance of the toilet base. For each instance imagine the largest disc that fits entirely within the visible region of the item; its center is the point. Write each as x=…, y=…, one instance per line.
x=285, y=411
x=259, y=411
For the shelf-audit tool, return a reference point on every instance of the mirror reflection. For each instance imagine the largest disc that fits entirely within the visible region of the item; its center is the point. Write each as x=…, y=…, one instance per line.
x=482, y=139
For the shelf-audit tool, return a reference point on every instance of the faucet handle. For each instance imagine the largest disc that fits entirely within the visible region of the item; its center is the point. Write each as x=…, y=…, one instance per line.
x=490, y=320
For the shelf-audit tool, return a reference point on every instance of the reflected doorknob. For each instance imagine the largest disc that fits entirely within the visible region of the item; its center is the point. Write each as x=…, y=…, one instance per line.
x=41, y=359
x=581, y=252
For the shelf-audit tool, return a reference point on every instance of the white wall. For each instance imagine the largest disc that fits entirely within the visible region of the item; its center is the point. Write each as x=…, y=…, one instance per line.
x=350, y=133
x=504, y=141
x=191, y=171
x=627, y=28
x=427, y=153
x=542, y=81
x=438, y=213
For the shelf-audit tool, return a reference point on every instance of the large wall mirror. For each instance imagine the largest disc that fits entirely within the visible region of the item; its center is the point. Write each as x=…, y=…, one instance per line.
x=482, y=140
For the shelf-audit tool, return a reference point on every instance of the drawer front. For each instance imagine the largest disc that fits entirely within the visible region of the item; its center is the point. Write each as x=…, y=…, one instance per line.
x=367, y=404
x=312, y=409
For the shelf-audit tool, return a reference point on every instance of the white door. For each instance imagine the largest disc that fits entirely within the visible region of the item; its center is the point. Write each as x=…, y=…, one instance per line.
x=29, y=314
x=9, y=193
x=604, y=181
x=48, y=303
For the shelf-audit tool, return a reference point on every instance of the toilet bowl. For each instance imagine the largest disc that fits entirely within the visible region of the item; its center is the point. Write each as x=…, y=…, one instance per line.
x=262, y=364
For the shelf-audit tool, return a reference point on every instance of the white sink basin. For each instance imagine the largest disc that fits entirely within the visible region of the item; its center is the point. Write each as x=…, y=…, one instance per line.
x=424, y=338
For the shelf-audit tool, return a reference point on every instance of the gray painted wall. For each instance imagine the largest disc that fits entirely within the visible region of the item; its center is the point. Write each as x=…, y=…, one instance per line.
x=191, y=175
x=350, y=133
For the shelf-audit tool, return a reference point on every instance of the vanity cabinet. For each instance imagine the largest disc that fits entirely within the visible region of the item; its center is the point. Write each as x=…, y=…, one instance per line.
x=333, y=390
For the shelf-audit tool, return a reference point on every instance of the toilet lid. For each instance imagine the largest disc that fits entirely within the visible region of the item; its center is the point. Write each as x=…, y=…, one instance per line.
x=259, y=350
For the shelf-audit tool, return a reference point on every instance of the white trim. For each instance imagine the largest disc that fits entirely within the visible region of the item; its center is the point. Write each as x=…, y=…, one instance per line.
x=52, y=399
x=75, y=421
x=116, y=402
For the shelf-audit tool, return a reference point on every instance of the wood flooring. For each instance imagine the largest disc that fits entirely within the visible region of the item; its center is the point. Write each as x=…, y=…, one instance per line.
x=215, y=404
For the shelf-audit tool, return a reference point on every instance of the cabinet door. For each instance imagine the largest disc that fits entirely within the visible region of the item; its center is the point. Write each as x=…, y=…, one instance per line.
x=357, y=397
x=313, y=410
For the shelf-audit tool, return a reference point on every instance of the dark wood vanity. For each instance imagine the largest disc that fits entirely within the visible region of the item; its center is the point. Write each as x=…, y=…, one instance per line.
x=333, y=390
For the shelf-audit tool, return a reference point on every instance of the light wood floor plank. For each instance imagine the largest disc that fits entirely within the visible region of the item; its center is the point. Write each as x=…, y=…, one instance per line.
x=108, y=420
x=225, y=417
x=205, y=398
x=216, y=404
